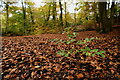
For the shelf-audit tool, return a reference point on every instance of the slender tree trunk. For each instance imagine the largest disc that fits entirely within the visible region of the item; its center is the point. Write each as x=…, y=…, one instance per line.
x=95, y=14
x=54, y=11
x=24, y=16
x=7, y=16
x=48, y=13
x=118, y=18
x=75, y=12
x=112, y=13
x=31, y=16
x=65, y=15
x=61, y=22
x=95, y=20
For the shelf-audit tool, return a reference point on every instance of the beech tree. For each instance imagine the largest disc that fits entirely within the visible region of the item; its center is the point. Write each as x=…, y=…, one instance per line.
x=65, y=14
x=24, y=15
x=54, y=16
x=48, y=16
x=61, y=14
x=7, y=15
x=104, y=23
x=54, y=10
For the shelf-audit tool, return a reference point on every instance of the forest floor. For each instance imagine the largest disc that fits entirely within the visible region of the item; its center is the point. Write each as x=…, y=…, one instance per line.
x=35, y=58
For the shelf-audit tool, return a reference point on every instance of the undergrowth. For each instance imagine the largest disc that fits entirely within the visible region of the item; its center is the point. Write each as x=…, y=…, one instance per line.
x=87, y=51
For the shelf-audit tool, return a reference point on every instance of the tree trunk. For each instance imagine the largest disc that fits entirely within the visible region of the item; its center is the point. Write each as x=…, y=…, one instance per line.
x=7, y=16
x=61, y=22
x=65, y=15
x=31, y=16
x=75, y=13
x=48, y=13
x=105, y=27
x=112, y=13
x=54, y=11
x=95, y=15
x=24, y=16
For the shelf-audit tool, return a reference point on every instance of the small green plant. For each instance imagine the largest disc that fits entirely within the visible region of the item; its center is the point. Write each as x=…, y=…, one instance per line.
x=85, y=40
x=70, y=41
x=65, y=52
x=87, y=50
x=93, y=52
x=72, y=35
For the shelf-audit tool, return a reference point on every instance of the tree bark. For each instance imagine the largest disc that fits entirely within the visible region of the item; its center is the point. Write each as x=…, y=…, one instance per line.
x=105, y=27
x=48, y=17
x=24, y=16
x=31, y=15
x=65, y=15
x=54, y=11
x=95, y=15
x=75, y=12
x=7, y=16
x=61, y=22
x=112, y=13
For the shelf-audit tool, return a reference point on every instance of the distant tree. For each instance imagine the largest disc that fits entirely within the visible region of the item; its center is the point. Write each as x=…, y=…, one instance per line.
x=7, y=15
x=32, y=22
x=65, y=15
x=54, y=10
x=48, y=16
x=75, y=12
x=24, y=15
x=61, y=14
x=112, y=13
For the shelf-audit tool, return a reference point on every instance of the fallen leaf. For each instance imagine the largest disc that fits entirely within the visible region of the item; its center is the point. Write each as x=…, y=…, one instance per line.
x=69, y=77
x=13, y=70
x=80, y=76
x=36, y=66
x=7, y=76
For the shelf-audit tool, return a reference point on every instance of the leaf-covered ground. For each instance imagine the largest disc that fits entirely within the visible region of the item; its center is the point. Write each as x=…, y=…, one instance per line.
x=35, y=58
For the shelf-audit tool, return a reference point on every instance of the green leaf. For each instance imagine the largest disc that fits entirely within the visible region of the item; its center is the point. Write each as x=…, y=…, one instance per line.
x=94, y=50
x=77, y=51
x=73, y=40
x=86, y=39
x=93, y=54
x=102, y=51
x=71, y=50
x=102, y=55
x=87, y=53
x=61, y=40
x=57, y=42
x=97, y=53
x=92, y=38
x=60, y=53
x=70, y=35
x=83, y=42
x=52, y=40
x=87, y=48
x=66, y=55
x=83, y=50
x=62, y=50
x=68, y=42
